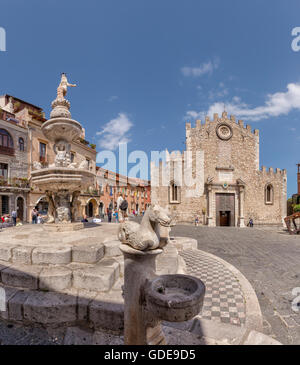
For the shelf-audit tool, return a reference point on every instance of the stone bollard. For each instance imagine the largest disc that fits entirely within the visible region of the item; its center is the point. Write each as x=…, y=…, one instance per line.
x=139, y=267
x=149, y=298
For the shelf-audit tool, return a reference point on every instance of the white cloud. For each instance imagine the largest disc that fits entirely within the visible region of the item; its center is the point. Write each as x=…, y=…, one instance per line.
x=113, y=97
x=218, y=93
x=115, y=132
x=280, y=103
x=204, y=68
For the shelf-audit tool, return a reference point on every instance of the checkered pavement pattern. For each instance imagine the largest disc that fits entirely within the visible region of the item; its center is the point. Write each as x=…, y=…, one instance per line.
x=224, y=300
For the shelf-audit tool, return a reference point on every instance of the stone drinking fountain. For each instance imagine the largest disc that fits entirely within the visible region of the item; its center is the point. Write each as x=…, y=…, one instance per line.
x=63, y=180
x=148, y=298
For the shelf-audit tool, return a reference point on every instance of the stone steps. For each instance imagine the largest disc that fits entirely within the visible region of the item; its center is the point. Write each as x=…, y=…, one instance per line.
x=99, y=277
x=77, y=291
x=89, y=253
x=100, y=311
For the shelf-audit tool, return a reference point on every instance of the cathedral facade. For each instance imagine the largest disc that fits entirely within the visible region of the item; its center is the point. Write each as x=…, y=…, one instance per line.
x=229, y=187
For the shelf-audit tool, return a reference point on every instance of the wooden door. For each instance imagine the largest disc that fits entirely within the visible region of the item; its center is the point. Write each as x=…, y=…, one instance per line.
x=225, y=209
x=20, y=210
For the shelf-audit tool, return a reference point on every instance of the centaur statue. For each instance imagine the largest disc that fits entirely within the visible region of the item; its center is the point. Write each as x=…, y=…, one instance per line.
x=63, y=86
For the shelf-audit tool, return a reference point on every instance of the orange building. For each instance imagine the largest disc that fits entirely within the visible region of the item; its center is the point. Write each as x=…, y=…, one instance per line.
x=110, y=184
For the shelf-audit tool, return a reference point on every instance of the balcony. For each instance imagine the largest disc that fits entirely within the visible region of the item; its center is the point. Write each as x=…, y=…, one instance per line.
x=4, y=115
x=10, y=151
x=14, y=182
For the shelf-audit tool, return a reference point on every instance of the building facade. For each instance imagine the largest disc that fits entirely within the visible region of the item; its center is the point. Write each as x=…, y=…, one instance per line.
x=229, y=186
x=136, y=191
x=14, y=182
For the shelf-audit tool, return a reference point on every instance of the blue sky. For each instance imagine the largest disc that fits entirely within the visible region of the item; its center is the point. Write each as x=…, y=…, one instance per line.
x=145, y=67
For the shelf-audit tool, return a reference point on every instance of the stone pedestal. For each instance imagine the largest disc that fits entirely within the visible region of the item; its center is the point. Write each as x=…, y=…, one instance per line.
x=67, y=227
x=139, y=268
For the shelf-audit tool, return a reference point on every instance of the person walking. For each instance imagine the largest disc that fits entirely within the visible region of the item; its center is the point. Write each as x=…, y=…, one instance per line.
x=14, y=217
x=119, y=202
x=123, y=210
x=2, y=221
x=110, y=210
x=116, y=215
x=196, y=221
x=34, y=216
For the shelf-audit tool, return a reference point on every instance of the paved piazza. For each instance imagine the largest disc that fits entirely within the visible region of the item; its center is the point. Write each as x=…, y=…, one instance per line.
x=270, y=259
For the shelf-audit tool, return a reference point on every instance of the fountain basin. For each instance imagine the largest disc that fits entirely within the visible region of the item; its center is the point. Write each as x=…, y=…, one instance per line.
x=175, y=298
x=58, y=128
x=62, y=178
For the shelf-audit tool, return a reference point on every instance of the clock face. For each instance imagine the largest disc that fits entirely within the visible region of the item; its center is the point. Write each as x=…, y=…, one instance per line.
x=224, y=131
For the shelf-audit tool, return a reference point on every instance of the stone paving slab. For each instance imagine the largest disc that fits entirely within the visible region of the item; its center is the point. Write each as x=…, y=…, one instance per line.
x=224, y=300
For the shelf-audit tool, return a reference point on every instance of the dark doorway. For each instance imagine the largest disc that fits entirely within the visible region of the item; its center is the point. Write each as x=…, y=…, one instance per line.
x=225, y=209
x=90, y=209
x=5, y=204
x=20, y=208
x=224, y=219
x=101, y=209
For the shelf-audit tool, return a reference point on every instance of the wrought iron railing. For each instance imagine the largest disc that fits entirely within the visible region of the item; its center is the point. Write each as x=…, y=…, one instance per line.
x=14, y=182
x=7, y=150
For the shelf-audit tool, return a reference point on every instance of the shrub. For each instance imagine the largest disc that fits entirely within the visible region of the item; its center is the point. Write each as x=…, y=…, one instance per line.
x=296, y=208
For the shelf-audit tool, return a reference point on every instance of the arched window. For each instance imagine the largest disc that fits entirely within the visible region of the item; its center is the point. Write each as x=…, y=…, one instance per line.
x=269, y=194
x=174, y=193
x=6, y=139
x=21, y=144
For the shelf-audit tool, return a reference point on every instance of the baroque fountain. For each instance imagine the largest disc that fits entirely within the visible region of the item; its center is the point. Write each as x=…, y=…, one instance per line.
x=63, y=180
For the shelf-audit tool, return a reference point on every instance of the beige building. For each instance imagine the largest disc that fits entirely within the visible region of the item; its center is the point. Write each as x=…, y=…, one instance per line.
x=14, y=182
x=24, y=120
x=228, y=187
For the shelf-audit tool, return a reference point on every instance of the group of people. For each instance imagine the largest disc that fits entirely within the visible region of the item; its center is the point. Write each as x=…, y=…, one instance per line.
x=36, y=217
x=120, y=213
x=14, y=217
x=250, y=222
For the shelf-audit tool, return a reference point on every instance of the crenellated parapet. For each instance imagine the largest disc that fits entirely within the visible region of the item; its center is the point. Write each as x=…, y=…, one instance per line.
x=216, y=119
x=271, y=172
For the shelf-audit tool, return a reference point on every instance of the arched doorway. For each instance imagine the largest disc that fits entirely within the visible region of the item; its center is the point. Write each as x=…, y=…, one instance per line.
x=101, y=209
x=20, y=208
x=42, y=205
x=90, y=209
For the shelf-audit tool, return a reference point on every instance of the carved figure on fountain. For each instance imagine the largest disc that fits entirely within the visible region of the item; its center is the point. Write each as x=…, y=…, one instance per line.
x=63, y=87
x=51, y=207
x=37, y=165
x=62, y=203
x=74, y=205
x=62, y=151
x=152, y=233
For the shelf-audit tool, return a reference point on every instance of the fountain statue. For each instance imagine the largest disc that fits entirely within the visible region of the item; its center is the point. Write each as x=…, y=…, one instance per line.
x=62, y=180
